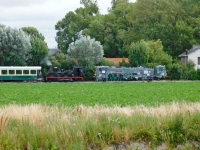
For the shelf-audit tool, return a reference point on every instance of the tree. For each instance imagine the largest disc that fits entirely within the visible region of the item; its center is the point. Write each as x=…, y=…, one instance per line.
x=15, y=47
x=86, y=51
x=171, y=21
x=69, y=29
x=115, y=2
x=138, y=55
x=33, y=32
x=62, y=61
x=39, y=48
x=109, y=29
x=157, y=55
x=87, y=3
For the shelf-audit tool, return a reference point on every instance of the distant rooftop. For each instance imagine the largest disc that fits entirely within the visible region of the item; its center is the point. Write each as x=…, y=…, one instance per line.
x=117, y=60
x=52, y=51
x=193, y=49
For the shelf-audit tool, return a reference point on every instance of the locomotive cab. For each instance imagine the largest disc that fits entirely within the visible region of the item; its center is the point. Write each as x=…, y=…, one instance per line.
x=78, y=71
x=101, y=73
x=160, y=72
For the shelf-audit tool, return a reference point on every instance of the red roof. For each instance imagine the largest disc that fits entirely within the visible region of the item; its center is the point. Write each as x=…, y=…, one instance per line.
x=117, y=60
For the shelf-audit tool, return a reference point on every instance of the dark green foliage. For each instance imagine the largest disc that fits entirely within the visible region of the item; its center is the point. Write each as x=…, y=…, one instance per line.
x=39, y=48
x=89, y=73
x=193, y=75
x=198, y=74
x=45, y=71
x=70, y=27
x=174, y=72
x=138, y=54
x=149, y=20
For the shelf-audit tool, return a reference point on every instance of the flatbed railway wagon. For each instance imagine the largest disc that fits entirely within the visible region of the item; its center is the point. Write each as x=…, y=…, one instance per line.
x=106, y=73
x=19, y=73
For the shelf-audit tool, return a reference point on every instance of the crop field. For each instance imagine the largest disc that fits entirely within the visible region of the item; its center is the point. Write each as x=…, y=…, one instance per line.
x=90, y=94
x=100, y=116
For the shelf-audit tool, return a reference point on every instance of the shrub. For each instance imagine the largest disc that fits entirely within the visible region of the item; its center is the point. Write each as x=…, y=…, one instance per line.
x=124, y=63
x=105, y=62
x=198, y=74
x=192, y=75
x=174, y=72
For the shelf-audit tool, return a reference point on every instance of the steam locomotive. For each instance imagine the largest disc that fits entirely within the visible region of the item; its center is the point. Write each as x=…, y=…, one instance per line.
x=76, y=74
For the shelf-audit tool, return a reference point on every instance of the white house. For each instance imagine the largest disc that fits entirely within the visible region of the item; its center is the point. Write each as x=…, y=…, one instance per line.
x=193, y=54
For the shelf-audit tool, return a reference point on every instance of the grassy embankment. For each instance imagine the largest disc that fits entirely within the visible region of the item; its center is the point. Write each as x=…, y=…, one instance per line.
x=97, y=116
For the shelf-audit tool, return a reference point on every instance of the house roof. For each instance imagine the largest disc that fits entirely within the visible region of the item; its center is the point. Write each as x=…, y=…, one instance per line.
x=52, y=51
x=193, y=49
x=117, y=60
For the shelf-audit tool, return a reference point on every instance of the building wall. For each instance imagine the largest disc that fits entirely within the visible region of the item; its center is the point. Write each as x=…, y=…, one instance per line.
x=194, y=57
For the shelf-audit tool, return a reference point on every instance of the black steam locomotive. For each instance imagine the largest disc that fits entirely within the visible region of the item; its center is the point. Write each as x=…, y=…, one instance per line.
x=76, y=74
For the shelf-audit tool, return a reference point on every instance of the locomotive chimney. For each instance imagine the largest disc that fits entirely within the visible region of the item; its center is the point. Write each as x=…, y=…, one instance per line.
x=55, y=69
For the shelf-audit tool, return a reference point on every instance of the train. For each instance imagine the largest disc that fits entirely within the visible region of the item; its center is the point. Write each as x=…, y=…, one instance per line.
x=106, y=73
x=102, y=73
x=76, y=74
x=20, y=73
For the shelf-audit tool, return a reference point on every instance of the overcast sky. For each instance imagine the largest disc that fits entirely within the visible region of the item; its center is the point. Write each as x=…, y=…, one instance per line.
x=41, y=14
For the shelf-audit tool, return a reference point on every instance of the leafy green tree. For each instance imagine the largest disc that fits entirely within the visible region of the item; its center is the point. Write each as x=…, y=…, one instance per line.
x=86, y=51
x=33, y=32
x=15, y=47
x=88, y=3
x=39, y=48
x=69, y=29
x=62, y=61
x=167, y=20
x=114, y=3
x=138, y=54
x=109, y=29
x=157, y=55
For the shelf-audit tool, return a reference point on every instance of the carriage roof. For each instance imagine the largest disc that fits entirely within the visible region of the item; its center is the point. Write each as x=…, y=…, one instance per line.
x=20, y=67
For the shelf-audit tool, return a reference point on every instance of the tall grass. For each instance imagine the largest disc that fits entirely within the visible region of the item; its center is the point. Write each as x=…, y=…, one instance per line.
x=99, y=127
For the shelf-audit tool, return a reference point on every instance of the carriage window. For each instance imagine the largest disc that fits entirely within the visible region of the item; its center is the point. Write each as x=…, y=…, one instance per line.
x=18, y=71
x=11, y=71
x=3, y=71
x=160, y=68
x=25, y=71
x=33, y=71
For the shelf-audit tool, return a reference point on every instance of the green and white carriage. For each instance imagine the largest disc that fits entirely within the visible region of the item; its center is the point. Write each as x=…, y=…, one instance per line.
x=19, y=73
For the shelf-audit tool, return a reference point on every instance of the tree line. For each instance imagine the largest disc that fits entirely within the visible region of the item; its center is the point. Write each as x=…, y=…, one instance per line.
x=148, y=32
x=176, y=23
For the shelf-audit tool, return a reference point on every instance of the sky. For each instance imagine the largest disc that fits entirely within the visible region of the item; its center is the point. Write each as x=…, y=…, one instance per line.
x=41, y=14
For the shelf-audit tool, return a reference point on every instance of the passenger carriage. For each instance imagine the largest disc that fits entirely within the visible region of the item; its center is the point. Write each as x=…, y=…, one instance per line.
x=19, y=73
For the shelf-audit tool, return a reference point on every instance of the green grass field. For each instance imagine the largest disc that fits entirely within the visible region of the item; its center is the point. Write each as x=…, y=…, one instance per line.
x=100, y=116
x=109, y=93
